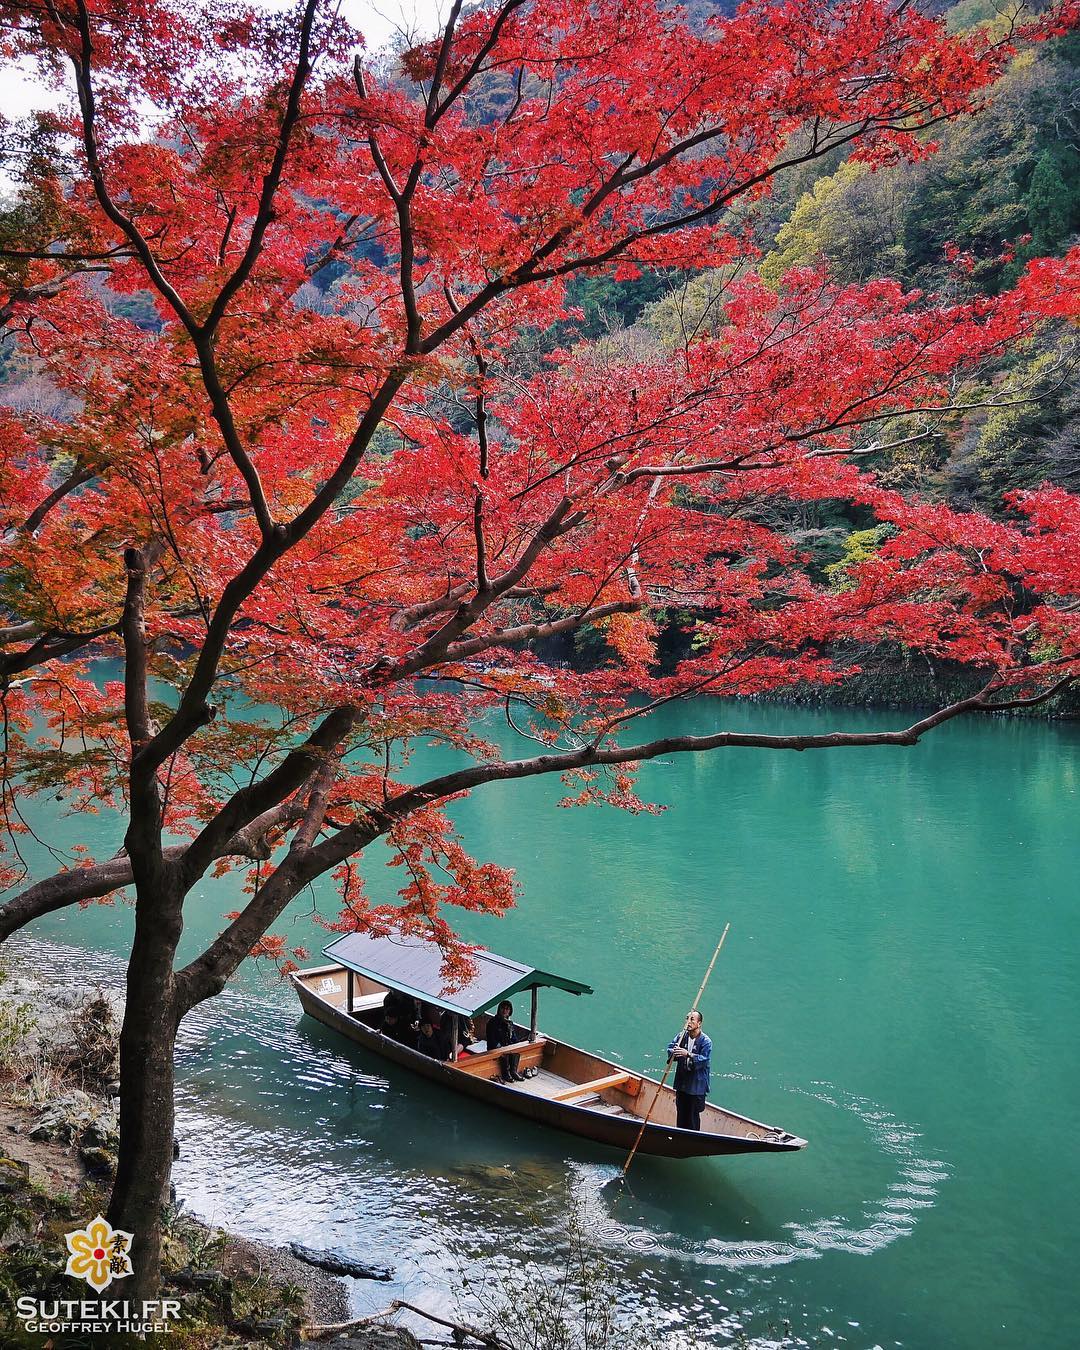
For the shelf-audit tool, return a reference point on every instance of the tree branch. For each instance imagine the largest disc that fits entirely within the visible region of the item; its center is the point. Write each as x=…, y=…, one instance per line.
x=81, y=474
x=83, y=67
x=133, y=630
x=265, y=212
x=51, y=645
x=532, y=632
x=83, y=884
x=253, y=801
x=207, y=974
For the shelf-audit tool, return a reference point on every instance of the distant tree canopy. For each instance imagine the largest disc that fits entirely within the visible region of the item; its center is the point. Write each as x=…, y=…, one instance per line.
x=1003, y=187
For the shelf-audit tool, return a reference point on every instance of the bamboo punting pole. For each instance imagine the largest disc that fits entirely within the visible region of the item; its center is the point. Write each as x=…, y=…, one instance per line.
x=663, y=1081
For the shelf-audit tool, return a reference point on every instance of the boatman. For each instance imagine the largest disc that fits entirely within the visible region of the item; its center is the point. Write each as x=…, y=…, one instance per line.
x=691, y=1050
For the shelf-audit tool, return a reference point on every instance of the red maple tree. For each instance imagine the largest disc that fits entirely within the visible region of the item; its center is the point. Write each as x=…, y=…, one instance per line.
x=252, y=490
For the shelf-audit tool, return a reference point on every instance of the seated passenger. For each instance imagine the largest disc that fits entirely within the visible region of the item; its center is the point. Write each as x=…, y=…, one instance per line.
x=466, y=1032
x=394, y=1025
x=432, y=1041
x=404, y=1005
x=500, y=1032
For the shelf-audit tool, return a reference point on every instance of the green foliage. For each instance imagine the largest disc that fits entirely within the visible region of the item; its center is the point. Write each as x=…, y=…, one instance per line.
x=853, y=219
x=859, y=547
x=1035, y=435
x=690, y=310
x=607, y=304
x=218, y=1308
x=1053, y=198
x=137, y=308
x=970, y=14
x=33, y=1255
x=1011, y=171
x=998, y=177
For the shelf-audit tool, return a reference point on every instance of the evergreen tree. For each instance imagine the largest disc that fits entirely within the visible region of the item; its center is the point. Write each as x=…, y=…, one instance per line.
x=1052, y=205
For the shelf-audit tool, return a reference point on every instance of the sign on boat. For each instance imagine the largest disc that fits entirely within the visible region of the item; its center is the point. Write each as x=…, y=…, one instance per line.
x=572, y=1090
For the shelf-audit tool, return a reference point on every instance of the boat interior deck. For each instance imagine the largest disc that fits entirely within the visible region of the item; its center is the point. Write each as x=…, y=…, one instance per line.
x=368, y=1007
x=548, y=1084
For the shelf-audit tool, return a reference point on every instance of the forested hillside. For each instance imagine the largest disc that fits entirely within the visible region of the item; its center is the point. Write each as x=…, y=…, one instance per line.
x=991, y=192
x=999, y=189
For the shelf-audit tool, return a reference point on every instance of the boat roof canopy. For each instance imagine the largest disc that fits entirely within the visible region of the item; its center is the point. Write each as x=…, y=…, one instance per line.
x=414, y=966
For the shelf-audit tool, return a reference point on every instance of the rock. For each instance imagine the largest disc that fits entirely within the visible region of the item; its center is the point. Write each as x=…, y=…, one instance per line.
x=76, y=1116
x=203, y=1281
x=21, y=986
x=14, y=1176
x=101, y=1134
x=51, y=1128
x=99, y=1163
x=262, y=1334
x=113, y=1089
x=270, y=1326
x=339, y=1264
x=377, y=1338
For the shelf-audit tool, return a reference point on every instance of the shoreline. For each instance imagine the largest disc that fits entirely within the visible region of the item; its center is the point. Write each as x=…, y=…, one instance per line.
x=58, y=1134
x=236, y=1291
x=59, y=1169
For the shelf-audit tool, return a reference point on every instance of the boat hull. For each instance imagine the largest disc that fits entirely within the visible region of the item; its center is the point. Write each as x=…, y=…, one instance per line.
x=618, y=1132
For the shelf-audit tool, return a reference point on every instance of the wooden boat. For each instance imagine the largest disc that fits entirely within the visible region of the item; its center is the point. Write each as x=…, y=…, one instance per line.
x=572, y=1090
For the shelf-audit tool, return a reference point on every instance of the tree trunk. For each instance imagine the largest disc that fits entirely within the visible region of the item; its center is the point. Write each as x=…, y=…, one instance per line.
x=147, y=1041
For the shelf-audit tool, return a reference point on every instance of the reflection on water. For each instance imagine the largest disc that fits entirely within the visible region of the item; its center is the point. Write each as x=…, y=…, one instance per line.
x=292, y=1135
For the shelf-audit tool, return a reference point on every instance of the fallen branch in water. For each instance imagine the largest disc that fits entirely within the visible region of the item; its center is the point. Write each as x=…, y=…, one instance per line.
x=320, y=1333
x=485, y=1338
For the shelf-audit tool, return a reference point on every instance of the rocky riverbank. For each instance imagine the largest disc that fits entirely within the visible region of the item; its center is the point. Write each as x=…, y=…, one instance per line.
x=59, y=1108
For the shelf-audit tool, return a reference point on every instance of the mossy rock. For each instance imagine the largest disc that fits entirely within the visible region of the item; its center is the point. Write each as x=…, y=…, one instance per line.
x=100, y=1163
x=14, y=1176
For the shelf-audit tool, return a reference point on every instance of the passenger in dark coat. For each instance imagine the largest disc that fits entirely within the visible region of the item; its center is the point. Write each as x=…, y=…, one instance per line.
x=395, y=1025
x=432, y=1040
x=466, y=1033
x=500, y=1032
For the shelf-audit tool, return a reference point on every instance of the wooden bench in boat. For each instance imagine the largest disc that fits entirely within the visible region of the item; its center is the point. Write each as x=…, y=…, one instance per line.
x=626, y=1082
x=486, y=1063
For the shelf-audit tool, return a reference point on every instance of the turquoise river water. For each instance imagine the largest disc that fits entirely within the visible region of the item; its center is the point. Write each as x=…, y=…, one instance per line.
x=899, y=986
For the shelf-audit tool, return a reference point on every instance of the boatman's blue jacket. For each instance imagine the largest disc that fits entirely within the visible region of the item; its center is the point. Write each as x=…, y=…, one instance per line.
x=692, y=1074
